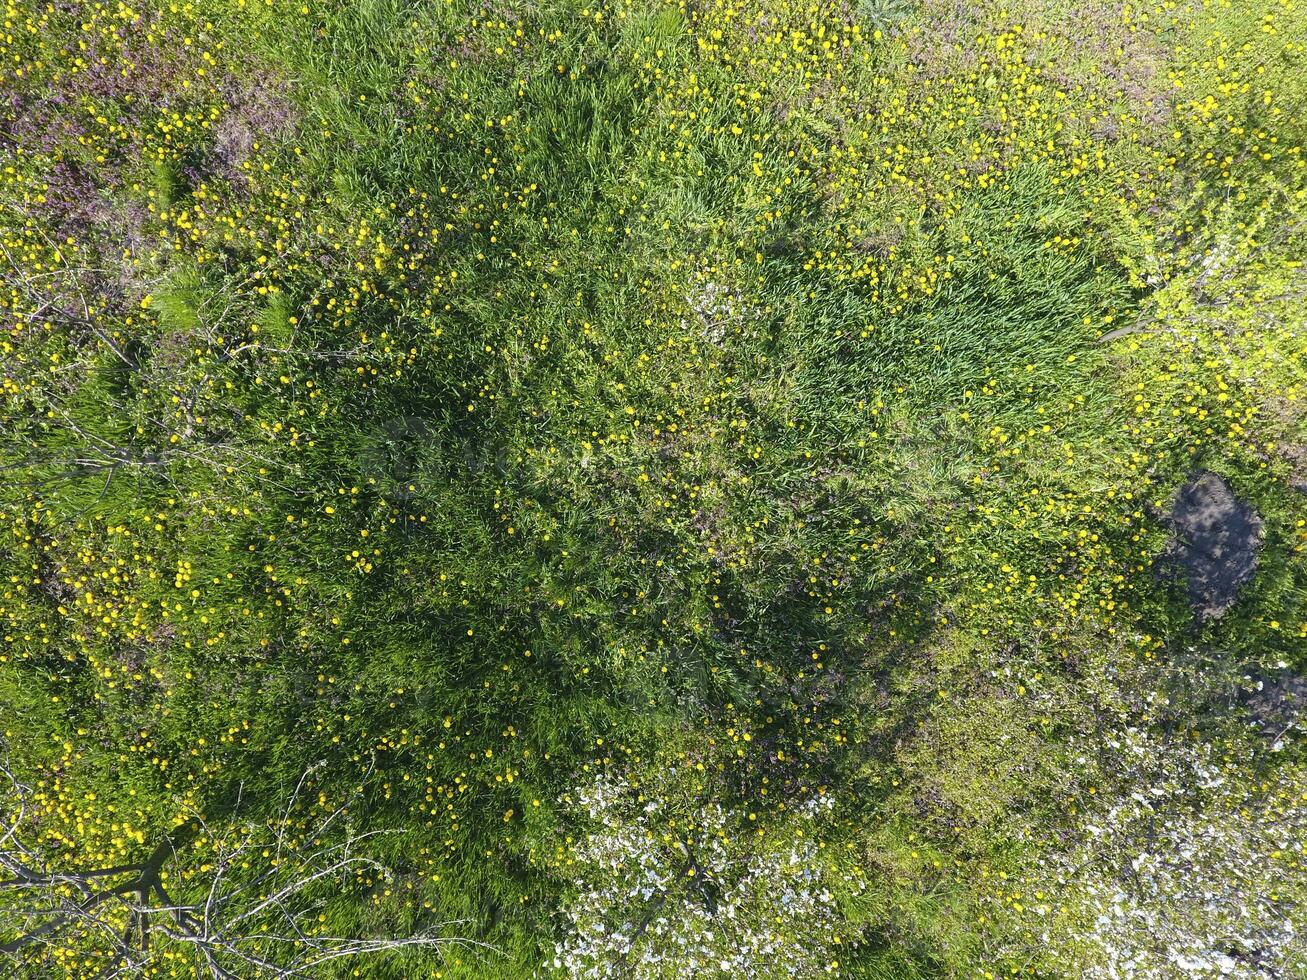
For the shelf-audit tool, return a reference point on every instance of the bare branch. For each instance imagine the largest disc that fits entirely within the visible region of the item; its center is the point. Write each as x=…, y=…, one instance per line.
x=232, y=917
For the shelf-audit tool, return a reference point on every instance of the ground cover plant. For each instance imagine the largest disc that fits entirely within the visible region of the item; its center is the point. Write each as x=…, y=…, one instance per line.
x=653, y=489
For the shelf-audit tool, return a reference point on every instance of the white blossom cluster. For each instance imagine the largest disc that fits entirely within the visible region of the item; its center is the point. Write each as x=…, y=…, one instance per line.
x=1193, y=874
x=719, y=309
x=661, y=891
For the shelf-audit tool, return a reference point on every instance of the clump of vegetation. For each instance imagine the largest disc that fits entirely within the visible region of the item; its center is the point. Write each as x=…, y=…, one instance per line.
x=800, y=488
x=670, y=881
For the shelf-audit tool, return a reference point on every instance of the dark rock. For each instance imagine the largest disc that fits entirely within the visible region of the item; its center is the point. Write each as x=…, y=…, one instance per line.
x=1275, y=702
x=1297, y=457
x=1215, y=541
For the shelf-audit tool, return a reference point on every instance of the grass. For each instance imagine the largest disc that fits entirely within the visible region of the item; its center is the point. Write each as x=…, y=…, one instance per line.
x=517, y=398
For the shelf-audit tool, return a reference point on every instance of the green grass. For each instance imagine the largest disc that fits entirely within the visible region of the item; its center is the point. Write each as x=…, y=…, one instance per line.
x=572, y=390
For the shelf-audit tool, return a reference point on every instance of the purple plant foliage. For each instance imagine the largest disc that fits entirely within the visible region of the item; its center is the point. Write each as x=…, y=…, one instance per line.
x=1126, y=65
x=74, y=201
x=258, y=110
x=943, y=46
x=123, y=79
x=130, y=76
x=80, y=199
